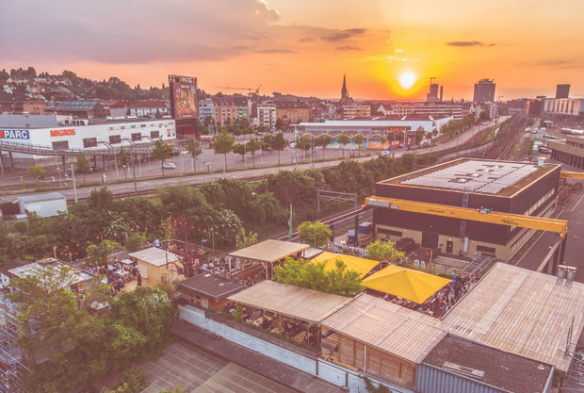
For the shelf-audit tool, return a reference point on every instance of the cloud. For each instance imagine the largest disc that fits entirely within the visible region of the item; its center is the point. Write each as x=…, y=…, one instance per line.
x=348, y=48
x=388, y=58
x=270, y=51
x=466, y=44
x=344, y=34
x=307, y=39
x=398, y=50
x=562, y=64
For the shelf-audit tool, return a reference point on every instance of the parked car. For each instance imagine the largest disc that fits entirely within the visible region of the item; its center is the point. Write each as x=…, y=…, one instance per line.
x=385, y=153
x=545, y=150
x=169, y=165
x=293, y=145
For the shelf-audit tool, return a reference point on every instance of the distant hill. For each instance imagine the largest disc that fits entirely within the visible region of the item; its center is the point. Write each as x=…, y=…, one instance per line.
x=68, y=85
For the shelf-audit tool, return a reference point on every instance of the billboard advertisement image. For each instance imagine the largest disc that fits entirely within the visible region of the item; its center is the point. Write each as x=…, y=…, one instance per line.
x=185, y=100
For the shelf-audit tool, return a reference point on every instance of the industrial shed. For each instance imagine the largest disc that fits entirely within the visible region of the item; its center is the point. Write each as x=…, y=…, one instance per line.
x=381, y=338
x=522, y=312
x=155, y=264
x=44, y=205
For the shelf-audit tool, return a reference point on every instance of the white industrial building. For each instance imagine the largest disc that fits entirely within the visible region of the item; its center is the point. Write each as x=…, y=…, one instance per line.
x=44, y=205
x=35, y=142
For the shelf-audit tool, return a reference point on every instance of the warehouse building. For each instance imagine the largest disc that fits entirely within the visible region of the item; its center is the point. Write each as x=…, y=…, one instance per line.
x=570, y=151
x=502, y=186
x=27, y=140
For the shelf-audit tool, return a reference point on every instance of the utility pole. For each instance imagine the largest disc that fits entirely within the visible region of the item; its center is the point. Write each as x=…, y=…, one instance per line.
x=74, y=186
x=134, y=170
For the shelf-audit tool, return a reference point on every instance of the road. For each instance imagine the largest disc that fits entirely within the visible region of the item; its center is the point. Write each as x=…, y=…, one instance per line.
x=145, y=172
x=532, y=253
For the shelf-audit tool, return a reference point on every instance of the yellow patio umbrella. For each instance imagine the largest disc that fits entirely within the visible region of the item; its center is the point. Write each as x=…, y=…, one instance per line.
x=409, y=284
x=360, y=265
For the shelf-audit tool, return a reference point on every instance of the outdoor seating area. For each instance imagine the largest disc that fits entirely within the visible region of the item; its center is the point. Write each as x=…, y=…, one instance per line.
x=291, y=312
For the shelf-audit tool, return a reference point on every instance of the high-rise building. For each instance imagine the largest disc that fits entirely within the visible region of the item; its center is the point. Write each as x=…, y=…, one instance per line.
x=563, y=91
x=433, y=94
x=484, y=91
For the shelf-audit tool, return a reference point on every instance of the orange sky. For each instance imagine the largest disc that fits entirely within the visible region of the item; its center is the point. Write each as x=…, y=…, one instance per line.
x=304, y=47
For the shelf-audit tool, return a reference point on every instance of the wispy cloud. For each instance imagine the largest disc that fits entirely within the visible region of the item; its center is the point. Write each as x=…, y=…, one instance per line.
x=270, y=51
x=466, y=44
x=348, y=48
x=388, y=58
x=344, y=34
x=564, y=64
x=307, y=39
x=399, y=50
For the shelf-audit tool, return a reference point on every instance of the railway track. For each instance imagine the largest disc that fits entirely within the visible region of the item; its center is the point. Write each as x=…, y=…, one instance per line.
x=507, y=140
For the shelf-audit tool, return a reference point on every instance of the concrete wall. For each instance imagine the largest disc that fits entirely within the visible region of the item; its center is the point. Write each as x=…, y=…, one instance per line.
x=320, y=368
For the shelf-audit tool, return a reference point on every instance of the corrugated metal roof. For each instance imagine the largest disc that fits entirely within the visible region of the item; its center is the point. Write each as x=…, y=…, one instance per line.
x=155, y=256
x=391, y=328
x=269, y=250
x=40, y=197
x=522, y=312
x=295, y=302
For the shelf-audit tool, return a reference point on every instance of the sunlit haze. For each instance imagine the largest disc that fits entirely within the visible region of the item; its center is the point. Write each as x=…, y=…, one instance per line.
x=304, y=47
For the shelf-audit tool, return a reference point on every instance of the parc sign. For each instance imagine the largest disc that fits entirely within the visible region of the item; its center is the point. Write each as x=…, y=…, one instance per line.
x=63, y=132
x=14, y=134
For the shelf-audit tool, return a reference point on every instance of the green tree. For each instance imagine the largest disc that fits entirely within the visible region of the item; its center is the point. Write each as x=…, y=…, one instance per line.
x=323, y=141
x=252, y=147
x=304, y=144
x=242, y=240
x=315, y=275
x=315, y=234
x=99, y=254
x=419, y=135
x=484, y=116
x=136, y=241
x=359, y=139
x=223, y=144
x=279, y=143
x=82, y=164
x=124, y=158
x=161, y=152
x=344, y=140
x=279, y=124
x=240, y=148
x=383, y=251
x=194, y=148
x=36, y=171
x=133, y=381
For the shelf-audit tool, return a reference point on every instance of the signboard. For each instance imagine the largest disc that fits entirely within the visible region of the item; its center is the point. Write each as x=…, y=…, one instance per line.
x=14, y=134
x=63, y=132
x=183, y=97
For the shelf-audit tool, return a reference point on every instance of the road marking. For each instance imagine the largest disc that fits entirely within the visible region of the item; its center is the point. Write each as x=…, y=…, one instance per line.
x=577, y=203
x=529, y=249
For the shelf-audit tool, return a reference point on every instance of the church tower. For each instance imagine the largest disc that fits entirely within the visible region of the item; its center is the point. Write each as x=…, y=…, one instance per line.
x=344, y=91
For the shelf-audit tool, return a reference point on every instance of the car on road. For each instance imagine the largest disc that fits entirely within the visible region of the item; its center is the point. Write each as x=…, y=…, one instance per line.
x=293, y=145
x=385, y=153
x=169, y=165
x=545, y=150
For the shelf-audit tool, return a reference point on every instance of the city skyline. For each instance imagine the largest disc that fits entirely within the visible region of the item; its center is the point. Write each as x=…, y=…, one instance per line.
x=387, y=49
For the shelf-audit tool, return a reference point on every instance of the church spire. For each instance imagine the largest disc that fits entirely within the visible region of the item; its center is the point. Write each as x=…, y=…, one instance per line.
x=344, y=92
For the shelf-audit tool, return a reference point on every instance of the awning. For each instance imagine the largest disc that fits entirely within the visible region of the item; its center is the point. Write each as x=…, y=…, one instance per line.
x=360, y=265
x=408, y=284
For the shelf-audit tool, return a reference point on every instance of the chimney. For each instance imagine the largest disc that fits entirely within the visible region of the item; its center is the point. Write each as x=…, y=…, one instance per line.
x=441, y=91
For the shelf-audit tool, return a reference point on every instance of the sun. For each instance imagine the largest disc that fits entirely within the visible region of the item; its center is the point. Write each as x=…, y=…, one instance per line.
x=407, y=79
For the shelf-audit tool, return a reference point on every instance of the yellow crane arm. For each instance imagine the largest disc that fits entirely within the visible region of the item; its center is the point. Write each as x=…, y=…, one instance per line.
x=572, y=175
x=465, y=213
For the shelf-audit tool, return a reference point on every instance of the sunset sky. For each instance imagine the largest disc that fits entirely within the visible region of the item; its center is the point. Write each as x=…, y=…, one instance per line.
x=304, y=47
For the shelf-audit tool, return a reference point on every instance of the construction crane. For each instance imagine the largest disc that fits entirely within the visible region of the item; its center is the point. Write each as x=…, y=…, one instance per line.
x=465, y=213
x=257, y=91
x=572, y=175
x=479, y=215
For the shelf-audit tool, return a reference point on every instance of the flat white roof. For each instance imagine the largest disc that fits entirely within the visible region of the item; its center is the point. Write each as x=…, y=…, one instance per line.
x=155, y=256
x=269, y=250
x=488, y=177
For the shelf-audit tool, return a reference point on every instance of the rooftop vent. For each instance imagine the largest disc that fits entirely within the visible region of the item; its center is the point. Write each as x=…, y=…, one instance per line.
x=467, y=371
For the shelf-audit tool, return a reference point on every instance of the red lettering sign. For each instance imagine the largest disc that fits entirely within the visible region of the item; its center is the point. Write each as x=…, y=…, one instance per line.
x=66, y=132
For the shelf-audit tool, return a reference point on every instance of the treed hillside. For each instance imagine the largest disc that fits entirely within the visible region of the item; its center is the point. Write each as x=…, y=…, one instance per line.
x=68, y=85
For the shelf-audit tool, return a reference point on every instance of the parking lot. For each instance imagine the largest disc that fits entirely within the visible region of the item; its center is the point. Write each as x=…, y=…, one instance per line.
x=199, y=372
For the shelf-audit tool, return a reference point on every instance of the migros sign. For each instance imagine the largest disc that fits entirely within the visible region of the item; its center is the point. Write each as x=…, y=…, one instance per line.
x=63, y=132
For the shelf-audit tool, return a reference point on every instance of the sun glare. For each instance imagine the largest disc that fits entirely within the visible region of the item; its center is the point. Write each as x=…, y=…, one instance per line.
x=407, y=80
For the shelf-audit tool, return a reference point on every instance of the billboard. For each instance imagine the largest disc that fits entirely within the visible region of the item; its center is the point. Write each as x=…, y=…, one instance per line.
x=183, y=97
